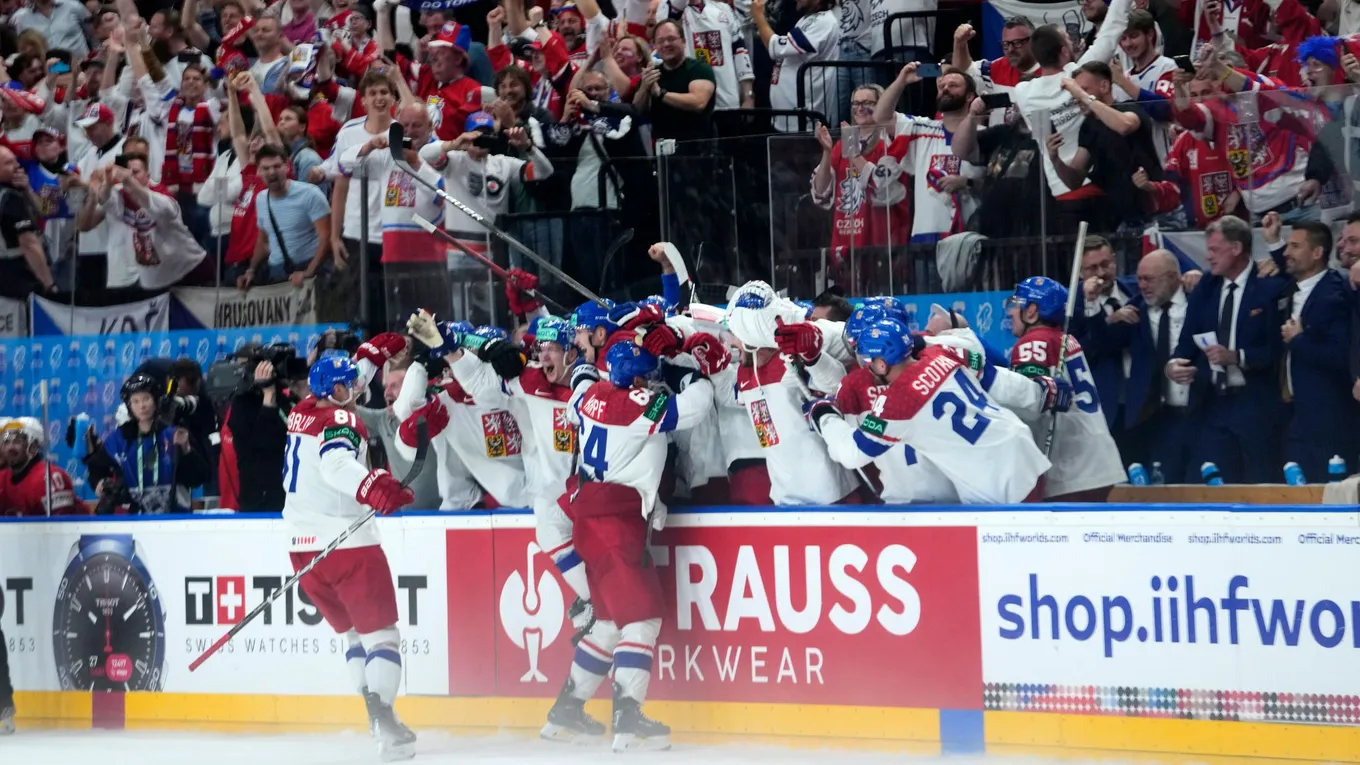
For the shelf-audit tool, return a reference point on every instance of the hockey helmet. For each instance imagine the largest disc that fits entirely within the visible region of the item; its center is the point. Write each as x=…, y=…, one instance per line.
x=27, y=427
x=530, y=336
x=591, y=315
x=887, y=339
x=860, y=320
x=553, y=329
x=141, y=383
x=627, y=361
x=1048, y=295
x=329, y=371
x=448, y=328
x=807, y=307
x=754, y=313
x=491, y=333
x=659, y=302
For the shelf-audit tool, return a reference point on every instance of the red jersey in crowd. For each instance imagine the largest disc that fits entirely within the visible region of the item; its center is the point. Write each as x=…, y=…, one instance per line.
x=25, y=492
x=1207, y=177
x=449, y=103
x=548, y=92
x=245, y=227
x=864, y=217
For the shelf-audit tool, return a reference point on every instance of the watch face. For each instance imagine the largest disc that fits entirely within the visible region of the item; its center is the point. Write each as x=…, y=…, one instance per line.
x=108, y=631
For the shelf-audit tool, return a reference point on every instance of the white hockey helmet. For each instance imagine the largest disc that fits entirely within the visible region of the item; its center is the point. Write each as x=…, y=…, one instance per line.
x=754, y=311
x=28, y=427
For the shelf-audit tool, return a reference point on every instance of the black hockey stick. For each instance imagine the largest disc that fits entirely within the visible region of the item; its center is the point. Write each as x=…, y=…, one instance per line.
x=395, y=136
x=484, y=260
x=417, y=464
x=611, y=251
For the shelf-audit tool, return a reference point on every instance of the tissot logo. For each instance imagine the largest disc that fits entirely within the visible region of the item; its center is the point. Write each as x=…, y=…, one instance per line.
x=225, y=600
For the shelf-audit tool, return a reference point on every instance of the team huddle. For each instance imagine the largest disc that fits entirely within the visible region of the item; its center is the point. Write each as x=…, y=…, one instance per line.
x=599, y=421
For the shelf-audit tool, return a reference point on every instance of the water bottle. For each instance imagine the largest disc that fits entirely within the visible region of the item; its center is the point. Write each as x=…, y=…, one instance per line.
x=20, y=400
x=1138, y=475
x=82, y=426
x=1157, y=478
x=144, y=350
x=107, y=365
x=38, y=362
x=1336, y=469
x=182, y=351
x=91, y=393
x=4, y=360
x=73, y=356
x=221, y=347
x=1210, y=473
x=1293, y=474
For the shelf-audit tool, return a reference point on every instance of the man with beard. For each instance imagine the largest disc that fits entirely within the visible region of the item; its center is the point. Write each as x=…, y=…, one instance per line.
x=32, y=484
x=943, y=193
x=294, y=222
x=998, y=75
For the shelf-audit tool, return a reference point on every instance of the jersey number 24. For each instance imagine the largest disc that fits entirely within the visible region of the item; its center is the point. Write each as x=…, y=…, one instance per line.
x=593, y=450
x=948, y=402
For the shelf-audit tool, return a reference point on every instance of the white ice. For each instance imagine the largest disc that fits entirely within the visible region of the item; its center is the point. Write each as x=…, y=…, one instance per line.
x=434, y=748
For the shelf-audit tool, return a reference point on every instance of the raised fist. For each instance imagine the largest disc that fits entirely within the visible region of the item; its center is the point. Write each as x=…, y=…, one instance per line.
x=436, y=419
x=517, y=289
x=711, y=355
x=803, y=340
x=381, y=348
x=661, y=341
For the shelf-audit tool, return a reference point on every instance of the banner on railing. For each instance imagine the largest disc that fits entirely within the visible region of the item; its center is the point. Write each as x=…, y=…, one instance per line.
x=53, y=318
x=227, y=308
x=13, y=318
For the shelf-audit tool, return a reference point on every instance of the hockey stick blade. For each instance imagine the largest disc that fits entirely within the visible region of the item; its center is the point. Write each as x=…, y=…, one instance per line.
x=445, y=236
x=417, y=464
x=396, y=133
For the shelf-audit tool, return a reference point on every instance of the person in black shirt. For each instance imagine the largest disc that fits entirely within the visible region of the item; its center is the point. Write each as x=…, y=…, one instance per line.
x=23, y=262
x=679, y=94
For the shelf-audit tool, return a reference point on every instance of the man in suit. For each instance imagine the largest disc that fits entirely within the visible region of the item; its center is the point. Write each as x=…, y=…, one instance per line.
x=1153, y=417
x=1315, y=372
x=1235, y=401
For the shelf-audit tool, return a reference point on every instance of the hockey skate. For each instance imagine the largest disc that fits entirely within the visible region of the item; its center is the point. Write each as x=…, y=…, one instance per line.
x=395, y=740
x=7, y=720
x=635, y=731
x=582, y=616
x=568, y=721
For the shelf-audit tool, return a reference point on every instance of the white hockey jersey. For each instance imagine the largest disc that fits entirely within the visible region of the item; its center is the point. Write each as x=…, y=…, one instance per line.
x=624, y=431
x=937, y=408
x=325, y=460
x=1154, y=78
x=483, y=186
x=714, y=36
x=801, y=472
x=402, y=239
x=816, y=37
x=923, y=150
x=1084, y=453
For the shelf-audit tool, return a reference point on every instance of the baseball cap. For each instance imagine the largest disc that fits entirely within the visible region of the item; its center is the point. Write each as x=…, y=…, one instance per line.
x=96, y=113
x=50, y=132
x=453, y=35
x=480, y=121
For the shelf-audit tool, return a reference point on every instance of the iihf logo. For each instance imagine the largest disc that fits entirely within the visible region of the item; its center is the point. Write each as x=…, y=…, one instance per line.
x=532, y=616
x=163, y=351
x=201, y=354
x=984, y=318
x=128, y=351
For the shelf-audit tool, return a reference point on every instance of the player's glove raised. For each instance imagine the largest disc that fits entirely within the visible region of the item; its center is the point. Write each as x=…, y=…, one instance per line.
x=1057, y=393
x=384, y=493
x=661, y=341
x=517, y=289
x=634, y=315
x=802, y=340
x=584, y=374
x=711, y=355
x=818, y=408
x=503, y=357
x=381, y=348
x=436, y=419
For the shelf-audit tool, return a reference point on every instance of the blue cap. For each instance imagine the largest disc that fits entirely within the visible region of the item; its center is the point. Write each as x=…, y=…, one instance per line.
x=479, y=121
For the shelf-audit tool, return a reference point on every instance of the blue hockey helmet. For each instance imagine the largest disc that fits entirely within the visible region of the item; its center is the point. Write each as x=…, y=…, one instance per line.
x=447, y=328
x=891, y=306
x=531, y=331
x=491, y=333
x=888, y=339
x=553, y=329
x=659, y=302
x=860, y=320
x=330, y=370
x=807, y=307
x=591, y=315
x=1048, y=295
x=627, y=361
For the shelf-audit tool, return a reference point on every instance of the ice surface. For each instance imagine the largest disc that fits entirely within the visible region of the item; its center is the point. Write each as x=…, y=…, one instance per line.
x=434, y=748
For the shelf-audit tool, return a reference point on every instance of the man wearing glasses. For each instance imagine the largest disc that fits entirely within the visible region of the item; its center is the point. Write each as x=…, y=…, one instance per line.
x=1015, y=65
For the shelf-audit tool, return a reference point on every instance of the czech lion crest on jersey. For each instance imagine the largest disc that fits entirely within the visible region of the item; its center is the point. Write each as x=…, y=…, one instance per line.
x=852, y=196
x=501, y=433
x=434, y=106
x=564, y=435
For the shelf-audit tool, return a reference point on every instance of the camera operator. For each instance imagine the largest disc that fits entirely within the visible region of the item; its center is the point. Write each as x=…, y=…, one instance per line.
x=183, y=409
x=147, y=464
x=257, y=421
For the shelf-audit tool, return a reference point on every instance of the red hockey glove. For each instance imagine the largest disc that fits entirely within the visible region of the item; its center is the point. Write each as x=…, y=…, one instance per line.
x=712, y=355
x=516, y=291
x=803, y=340
x=661, y=341
x=384, y=493
x=381, y=348
x=436, y=419
x=634, y=315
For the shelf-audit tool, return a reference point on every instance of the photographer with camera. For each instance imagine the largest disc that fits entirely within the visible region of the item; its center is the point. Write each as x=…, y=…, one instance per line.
x=257, y=422
x=147, y=464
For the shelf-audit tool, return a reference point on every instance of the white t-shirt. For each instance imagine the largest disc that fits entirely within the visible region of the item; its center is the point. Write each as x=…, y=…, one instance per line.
x=816, y=37
x=96, y=240
x=353, y=133
x=150, y=246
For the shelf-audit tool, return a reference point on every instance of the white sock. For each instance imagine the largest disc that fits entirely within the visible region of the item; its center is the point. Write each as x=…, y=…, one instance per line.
x=354, y=661
x=382, y=666
x=633, y=657
x=553, y=534
x=594, y=656
x=573, y=571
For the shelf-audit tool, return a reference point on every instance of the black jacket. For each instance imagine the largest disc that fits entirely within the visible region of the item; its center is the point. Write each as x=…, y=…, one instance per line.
x=260, y=435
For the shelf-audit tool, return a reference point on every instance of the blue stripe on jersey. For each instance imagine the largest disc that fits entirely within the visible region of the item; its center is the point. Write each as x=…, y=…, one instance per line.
x=671, y=418
x=632, y=660
x=341, y=444
x=801, y=40
x=911, y=454
x=589, y=663
x=385, y=653
x=988, y=376
x=869, y=446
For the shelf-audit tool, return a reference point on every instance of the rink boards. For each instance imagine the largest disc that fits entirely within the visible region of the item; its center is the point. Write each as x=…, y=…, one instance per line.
x=1202, y=630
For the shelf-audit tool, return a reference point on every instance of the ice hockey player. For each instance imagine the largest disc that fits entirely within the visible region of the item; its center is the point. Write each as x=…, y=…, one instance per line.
x=32, y=481
x=328, y=486
x=934, y=426
x=593, y=329
x=484, y=436
x=1085, y=459
x=613, y=501
x=782, y=363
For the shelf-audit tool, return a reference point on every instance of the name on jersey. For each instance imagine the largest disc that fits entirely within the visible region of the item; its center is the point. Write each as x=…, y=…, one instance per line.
x=933, y=374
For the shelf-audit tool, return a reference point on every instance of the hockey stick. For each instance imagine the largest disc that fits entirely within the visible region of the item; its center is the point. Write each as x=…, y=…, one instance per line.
x=417, y=464
x=42, y=392
x=395, y=135
x=611, y=251
x=1074, y=284
x=698, y=263
x=484, y=260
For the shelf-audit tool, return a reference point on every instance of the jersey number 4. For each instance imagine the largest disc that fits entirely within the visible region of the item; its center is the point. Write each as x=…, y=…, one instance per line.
x=291, y=457
x=946, y=400
x=593, y=452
